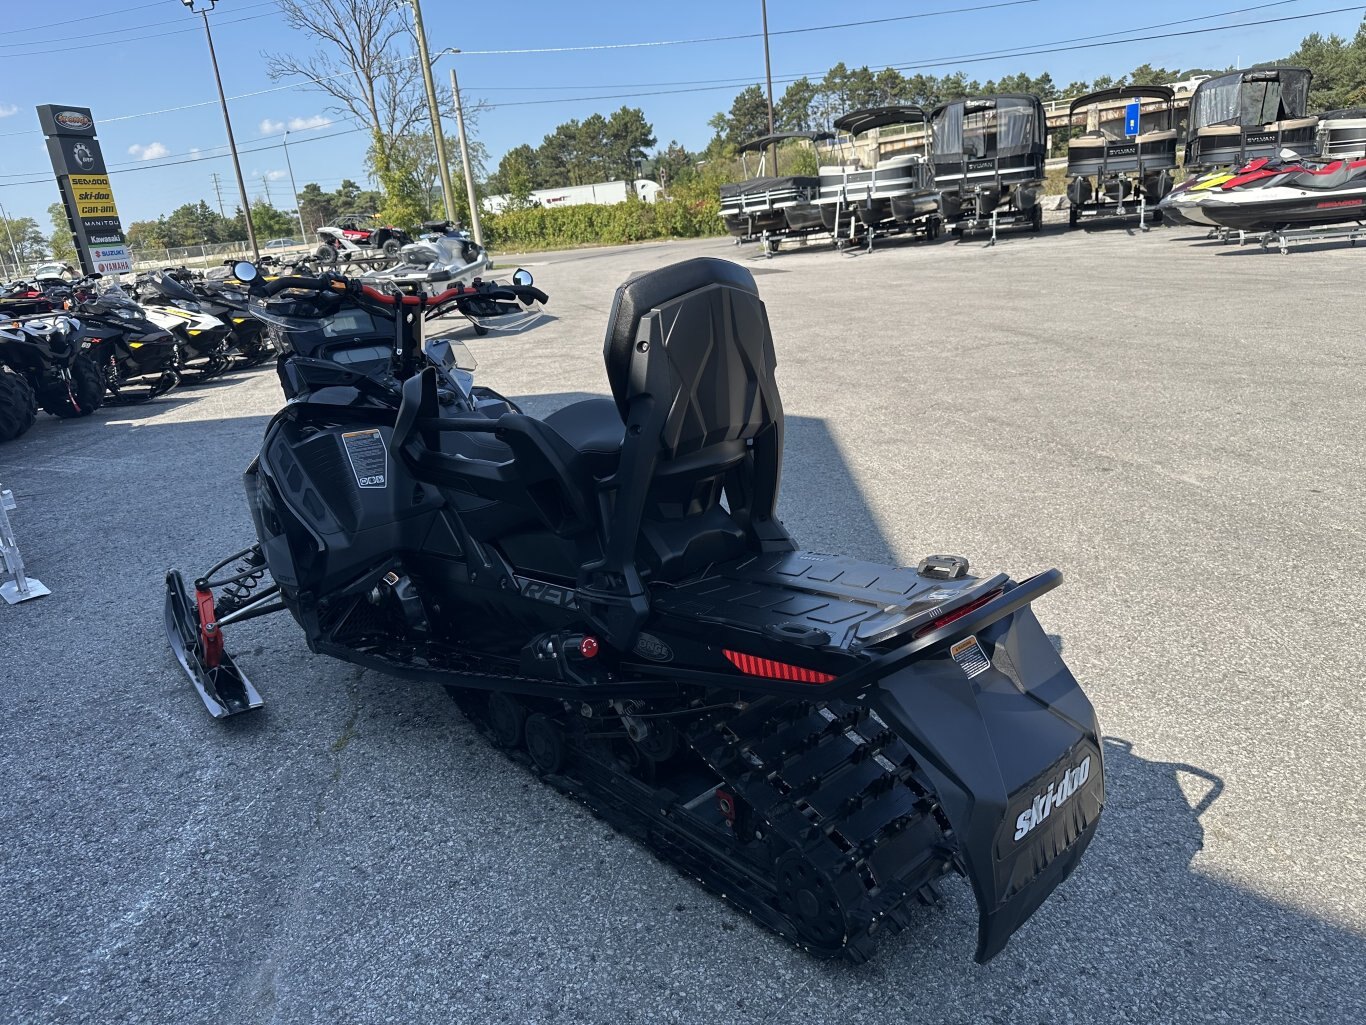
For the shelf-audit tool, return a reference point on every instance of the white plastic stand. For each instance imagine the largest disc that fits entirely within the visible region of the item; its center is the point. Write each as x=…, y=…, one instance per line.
x=22, y=587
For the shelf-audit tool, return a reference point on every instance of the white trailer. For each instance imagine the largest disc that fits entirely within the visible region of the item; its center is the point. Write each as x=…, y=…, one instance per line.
x=599, y=193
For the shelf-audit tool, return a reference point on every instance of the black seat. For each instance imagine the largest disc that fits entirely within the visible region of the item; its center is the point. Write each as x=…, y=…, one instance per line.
x=689, y=357
x=593, y=428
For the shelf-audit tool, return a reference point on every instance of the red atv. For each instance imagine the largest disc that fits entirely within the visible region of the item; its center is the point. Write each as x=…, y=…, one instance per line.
x=348, y=240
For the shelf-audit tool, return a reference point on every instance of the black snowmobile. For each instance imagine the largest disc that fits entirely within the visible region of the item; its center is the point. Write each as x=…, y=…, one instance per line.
x=205, y=341
x=45, y=350
x=138, y=359
x=224, y=297
x=609, y=595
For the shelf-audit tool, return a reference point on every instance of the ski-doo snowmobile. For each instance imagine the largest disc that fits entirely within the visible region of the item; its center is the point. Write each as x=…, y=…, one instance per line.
x=205, y=340
x=1109, y=171
x=611, y=596
x=138, y=359
x=225, y=298
x=444, y=254
x=895, y=196
x=45, y=349
x=988, y=155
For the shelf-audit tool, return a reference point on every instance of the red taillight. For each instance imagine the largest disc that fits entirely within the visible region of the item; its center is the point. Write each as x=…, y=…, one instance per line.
x=772, y=670
x=959, y=613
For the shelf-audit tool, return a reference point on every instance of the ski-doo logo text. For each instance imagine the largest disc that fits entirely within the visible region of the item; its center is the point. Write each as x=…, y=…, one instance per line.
x=1055, y=796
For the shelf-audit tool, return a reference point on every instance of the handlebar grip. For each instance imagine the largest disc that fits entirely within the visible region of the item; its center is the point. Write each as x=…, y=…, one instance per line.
x=280, y=284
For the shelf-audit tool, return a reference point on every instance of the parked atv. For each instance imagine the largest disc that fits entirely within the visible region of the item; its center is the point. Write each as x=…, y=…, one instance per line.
x=611, y=597
x=348, y=240
x=45, y=349
x=18, y=407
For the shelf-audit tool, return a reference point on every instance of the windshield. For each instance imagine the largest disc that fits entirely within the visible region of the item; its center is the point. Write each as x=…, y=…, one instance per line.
x=1249, y=99
x=346, y=323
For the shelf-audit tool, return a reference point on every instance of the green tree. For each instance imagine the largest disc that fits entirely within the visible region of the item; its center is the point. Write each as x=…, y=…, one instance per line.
x=62, y=246
x=747, y=119
x=272, y=223
x=794, y=111
x=1339, y=69
x=21, y=239
x=627, y=138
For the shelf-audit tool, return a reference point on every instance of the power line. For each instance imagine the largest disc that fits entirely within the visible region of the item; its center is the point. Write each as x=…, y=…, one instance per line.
x=945, y=61
x=140, y=38
x=795, y=77
x=116, y=31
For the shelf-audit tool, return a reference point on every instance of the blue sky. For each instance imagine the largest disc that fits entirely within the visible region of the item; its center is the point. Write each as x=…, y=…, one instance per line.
x=132, y=62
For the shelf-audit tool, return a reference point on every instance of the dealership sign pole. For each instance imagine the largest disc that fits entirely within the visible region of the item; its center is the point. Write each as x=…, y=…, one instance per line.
x=84, y=182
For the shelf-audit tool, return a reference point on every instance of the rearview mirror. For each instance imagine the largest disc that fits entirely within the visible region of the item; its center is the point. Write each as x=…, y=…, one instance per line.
x=522, y=278
x=245, y=270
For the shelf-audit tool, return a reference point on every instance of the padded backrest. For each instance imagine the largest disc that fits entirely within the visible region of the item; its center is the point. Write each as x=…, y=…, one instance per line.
x=694, y=338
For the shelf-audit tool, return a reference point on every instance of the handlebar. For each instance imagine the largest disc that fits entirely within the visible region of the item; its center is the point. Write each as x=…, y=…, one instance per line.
x=329, y=284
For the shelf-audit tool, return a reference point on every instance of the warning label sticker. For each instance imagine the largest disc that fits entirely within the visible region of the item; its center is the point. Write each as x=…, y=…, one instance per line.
x=369, y=458
x=970, y=657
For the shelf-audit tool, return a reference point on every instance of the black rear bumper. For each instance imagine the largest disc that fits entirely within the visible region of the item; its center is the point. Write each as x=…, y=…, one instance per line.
x=1013, y=748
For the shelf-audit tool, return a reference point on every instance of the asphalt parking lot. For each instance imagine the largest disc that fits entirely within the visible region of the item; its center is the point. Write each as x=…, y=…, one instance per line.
x=1175, y=424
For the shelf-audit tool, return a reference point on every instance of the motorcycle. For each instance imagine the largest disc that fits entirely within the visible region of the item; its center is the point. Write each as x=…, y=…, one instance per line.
x=609, y=595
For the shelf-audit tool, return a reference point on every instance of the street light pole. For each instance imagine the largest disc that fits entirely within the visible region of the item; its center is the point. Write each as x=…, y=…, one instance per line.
x=227, y=123
x=768, y=73
x=298, y=210
x=14, y=250
x=434, y=112
x=475, y=229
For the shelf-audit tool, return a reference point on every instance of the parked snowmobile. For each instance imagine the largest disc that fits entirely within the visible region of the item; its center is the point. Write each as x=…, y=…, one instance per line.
x=138, y=359
x=611, y=596
x=45, y=350
x=226, y=299
x=205, y=341
x=347, y=241
x=444, y=254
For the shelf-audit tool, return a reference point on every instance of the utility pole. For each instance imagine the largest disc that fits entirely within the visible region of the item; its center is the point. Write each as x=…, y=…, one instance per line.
x=12, y=247
x=465, y=160
x=298, y=210
x=434, y=112
x=768, y=73
x=227, y=123
x=218, y=191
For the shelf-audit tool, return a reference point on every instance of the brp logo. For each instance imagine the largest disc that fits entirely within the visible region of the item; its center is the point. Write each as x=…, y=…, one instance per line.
x=74, y=121
x=82, y=155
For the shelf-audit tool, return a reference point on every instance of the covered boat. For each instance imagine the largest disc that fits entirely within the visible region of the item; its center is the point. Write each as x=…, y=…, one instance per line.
x=1121, y=159
x=769, y=207
x=1238, y=117
x=988, y=156
x=894, y=196
x=1342, y=134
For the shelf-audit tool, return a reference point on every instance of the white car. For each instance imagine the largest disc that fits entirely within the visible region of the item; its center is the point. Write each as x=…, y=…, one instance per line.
x=281, y=243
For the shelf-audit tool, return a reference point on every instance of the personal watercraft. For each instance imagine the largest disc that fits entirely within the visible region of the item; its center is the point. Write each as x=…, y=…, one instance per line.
x=1297, y=195
x=611, y=597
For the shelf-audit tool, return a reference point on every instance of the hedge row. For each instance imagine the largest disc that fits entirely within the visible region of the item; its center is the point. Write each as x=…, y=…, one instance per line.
x=631, y=221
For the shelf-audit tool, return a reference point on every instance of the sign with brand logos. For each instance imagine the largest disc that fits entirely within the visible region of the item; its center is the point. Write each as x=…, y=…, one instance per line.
x=84, y=182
